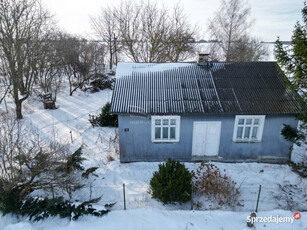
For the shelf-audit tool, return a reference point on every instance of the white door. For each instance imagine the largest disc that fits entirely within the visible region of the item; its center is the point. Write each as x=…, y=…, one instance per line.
x=206, y=138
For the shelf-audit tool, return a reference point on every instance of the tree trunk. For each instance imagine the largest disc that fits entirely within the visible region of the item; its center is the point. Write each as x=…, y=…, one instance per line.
x=18, y=104
x=111, y=59
x=22, y=87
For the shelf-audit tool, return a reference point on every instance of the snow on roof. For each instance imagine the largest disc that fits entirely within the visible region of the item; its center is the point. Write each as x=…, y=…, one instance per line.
x=127, y=68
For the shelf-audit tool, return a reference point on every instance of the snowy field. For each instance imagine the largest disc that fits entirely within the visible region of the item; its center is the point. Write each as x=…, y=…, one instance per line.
x=283, y=191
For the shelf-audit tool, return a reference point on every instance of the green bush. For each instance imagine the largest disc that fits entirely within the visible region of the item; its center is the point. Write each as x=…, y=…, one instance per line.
x=10, y=202
x=104, y=118
x=292, y=134
x=74, y=161
x=37, y=208
x=41, y=208
x=171, y=183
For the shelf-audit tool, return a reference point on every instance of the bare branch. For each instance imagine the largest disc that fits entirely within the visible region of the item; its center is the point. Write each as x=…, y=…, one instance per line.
x=146, y=32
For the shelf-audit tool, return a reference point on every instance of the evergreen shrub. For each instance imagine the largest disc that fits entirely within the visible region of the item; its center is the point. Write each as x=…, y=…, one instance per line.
x=104, y=118
x=171, y=183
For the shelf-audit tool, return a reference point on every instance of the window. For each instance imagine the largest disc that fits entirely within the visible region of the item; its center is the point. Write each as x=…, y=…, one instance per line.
x=165, y=128
x=248, y=128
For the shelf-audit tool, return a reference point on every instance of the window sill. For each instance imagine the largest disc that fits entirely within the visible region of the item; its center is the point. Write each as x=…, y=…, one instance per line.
x=165, y=141
x=247, y=141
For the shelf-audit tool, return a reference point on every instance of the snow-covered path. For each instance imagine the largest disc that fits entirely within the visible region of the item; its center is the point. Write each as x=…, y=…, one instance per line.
x=72, y=115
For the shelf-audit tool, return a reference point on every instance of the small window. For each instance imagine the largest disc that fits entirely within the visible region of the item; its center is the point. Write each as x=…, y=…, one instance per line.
x=165, y=128
x=158, y=122
x=248, y=128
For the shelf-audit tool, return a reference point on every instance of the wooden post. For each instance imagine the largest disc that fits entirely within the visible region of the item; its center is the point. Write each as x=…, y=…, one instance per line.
x=71, y=136
x=258, y=198
x=124, y=193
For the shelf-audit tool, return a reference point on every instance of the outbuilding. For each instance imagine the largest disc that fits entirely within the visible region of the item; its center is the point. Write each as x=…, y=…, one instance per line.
x=230, y=112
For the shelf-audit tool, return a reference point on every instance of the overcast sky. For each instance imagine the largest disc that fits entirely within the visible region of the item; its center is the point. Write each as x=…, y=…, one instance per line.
x=272, y=17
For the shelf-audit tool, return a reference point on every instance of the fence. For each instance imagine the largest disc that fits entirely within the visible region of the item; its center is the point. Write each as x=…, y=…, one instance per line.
x=133, y=196
x=125, y=196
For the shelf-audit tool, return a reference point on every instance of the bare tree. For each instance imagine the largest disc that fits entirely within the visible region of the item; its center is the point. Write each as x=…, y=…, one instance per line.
x=230, y=27
x=247, y=49
x=147, y=32
x=24, y=33
x=105, y=27
x=142, y=27
x=179, y=43
x=50, y=74
x=99, y=53
x=81, y=60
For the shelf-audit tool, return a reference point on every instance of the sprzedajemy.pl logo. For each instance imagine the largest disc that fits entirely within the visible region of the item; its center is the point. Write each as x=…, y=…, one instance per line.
x=274, y=219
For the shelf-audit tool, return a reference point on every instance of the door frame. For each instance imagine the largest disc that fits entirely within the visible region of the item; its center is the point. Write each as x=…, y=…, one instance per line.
x=219, y=137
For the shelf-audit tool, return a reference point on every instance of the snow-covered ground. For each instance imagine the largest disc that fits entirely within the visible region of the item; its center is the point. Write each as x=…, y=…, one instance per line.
x=282, y=189
x=152, y=219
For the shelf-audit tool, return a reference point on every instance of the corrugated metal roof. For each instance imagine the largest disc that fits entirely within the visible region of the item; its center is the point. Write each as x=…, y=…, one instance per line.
x=188, y=88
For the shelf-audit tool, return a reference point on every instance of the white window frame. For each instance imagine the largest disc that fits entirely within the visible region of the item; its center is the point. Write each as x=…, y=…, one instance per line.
x=259, y=131
x=177, y=130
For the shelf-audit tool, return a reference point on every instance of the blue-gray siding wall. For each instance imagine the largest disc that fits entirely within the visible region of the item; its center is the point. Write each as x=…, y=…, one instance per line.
x=136, y=144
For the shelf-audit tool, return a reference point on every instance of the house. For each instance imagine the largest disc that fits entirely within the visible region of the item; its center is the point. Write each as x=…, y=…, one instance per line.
x=230, y=112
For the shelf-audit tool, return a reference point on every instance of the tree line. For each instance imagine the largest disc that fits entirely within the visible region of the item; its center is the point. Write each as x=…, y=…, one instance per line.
x=149, y=33
x=35, y=52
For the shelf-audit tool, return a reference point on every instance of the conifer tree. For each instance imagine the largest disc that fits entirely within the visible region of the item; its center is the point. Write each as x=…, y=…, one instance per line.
x=293, y=61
